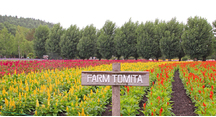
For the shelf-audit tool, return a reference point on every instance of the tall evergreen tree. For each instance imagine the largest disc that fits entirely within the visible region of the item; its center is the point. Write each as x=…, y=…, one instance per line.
x=41, y=35
x=145, y=37
x=198, y=37
x=69, y=42
x=52, y=43
x=105, y=40
x=87, y=44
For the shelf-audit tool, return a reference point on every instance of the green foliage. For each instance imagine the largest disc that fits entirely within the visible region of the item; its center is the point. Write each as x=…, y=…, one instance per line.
x=41, y=35
x=197, y=38
x=24, y=22
x=145, y=36
x=52, y=43
x=87, y=44
x=129, y=40
x=105, y=41
x=69, y=41
x=5, y=41
x=159, y=31
x=170, y=43
x=97, y=53
x=31, y=55
x=119, y=43
x=19, y=42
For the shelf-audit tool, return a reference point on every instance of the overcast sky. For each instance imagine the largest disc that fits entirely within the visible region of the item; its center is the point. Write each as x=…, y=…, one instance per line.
x=96, y=12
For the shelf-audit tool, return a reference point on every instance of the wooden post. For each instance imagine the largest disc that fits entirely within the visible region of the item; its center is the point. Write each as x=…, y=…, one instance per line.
x=116, y=93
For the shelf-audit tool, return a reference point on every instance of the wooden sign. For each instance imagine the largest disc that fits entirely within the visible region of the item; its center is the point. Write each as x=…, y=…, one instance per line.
x=126, y=78
x=115, y=78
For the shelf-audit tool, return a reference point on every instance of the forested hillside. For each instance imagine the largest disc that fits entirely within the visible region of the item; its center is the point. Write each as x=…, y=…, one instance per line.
x=24, y=22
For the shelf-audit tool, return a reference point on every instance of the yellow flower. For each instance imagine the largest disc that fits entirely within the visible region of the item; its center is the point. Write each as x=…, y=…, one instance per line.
x=6, y=102
x=82, y=114
x=36, y=113
x=37, y=103
x=43, y=106
x=98, y=100
x=67, y=109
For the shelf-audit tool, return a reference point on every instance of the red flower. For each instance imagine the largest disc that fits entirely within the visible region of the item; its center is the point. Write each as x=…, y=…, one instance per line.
x=212, y=87
x=203, y=86
x=152, y=114
x=167, y=103
x=144, y=106
x=211, y=96
x=199, y=92
x=161, y=110
x=204, y=104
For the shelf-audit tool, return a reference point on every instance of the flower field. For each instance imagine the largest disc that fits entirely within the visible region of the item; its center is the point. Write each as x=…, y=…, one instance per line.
x=35, y=88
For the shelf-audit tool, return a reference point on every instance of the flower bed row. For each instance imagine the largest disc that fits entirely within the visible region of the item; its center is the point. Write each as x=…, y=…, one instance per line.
x=11, y=67
x=158, y=102
x=199, y=81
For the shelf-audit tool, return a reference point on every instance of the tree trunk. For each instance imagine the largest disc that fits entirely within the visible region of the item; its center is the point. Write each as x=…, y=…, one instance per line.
x=156, y=59
x=204, y=59
x=179, y=58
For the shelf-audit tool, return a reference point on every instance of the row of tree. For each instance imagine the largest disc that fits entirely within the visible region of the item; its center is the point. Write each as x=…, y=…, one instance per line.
x=24, y=22
x=147, y=40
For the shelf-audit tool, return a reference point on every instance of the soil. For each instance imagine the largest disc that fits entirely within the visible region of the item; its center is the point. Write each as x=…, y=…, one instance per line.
x=182, y=104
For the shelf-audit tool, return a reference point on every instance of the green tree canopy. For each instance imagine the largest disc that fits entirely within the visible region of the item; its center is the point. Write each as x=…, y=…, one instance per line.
x=52, y=43
x=69, y=41
x=87, y=44
x=6, y=48
x=129, y=40
x=145, y=37
x=170, y=43
x=105, y=41
x=197, y=38
x=41, y=35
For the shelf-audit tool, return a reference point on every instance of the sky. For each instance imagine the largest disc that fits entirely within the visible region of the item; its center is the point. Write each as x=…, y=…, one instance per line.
x=96, y=12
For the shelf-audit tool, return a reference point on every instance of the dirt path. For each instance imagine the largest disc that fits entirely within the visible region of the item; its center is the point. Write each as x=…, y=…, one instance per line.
x=182, y=105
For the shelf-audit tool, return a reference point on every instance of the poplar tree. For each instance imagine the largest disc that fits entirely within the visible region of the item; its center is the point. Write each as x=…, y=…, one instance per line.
x=170, y=43
x=145, y=37
x=87, y=44
x=197, y=38
x=106, y=40
x=129, y=40
x=41, y=35
x=52, y=43
x=69, y=41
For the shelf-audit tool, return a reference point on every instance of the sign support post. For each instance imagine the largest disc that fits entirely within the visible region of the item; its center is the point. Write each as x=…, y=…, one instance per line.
x=116, y=92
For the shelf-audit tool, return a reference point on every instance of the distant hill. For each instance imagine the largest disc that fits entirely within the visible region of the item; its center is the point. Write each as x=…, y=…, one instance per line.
x=24, y=22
